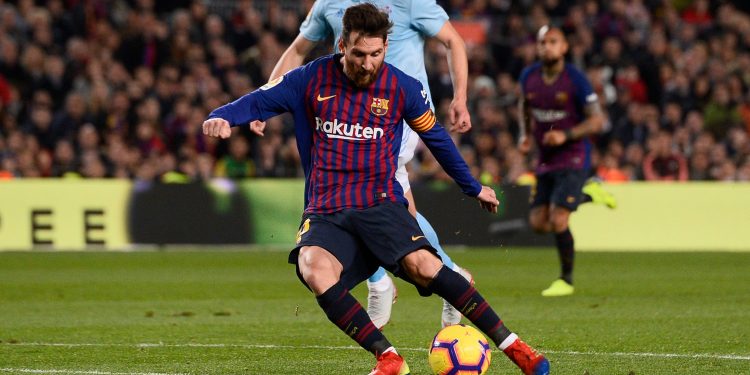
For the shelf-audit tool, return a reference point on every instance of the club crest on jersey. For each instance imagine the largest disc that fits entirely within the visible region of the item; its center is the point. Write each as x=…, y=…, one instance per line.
x=561, y=97
x=379, y=106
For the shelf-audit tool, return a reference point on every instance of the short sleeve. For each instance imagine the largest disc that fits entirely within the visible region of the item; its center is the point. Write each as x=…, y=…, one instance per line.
x=417, y=112
x=523, y=77
x=585, y=94
x=315, y=26
x=427, y=16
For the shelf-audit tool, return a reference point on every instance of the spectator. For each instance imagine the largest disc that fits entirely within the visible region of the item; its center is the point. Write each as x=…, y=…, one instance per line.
x=142, y=74
x=663, y=163
x=236, y=164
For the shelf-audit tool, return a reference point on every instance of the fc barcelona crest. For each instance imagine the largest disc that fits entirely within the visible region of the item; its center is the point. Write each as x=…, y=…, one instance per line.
x=379, y=106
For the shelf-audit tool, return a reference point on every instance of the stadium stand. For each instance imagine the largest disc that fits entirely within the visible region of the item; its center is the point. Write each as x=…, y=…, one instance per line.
x=119, y=89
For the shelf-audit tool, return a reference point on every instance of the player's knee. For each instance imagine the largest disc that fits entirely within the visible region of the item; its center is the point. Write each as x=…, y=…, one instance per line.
x=318, y=271
x=560, y=221
x=539, y=223
x=421, y=266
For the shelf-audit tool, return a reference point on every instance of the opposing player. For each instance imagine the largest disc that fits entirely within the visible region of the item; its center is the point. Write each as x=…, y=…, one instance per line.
x=349, y=111
x=558, y=103
x=413, y=21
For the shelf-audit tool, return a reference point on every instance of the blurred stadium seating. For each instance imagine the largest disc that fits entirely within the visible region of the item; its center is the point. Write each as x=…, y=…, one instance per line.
x=118, y=89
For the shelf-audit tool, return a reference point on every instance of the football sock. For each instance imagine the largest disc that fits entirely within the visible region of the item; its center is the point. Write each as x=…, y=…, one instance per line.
x=458, y=291
x=431, y=235
x=346, y=313
x=566, y=251
x=508, y=341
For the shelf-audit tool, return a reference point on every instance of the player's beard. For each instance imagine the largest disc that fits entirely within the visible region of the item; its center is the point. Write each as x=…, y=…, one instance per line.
x=359, y=76
x=550, y=62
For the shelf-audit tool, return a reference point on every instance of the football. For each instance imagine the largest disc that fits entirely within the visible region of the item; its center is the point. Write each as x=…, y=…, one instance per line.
x=459, y=350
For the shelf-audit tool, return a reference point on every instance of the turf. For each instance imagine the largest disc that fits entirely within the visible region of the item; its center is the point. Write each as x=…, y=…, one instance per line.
x=245, y=313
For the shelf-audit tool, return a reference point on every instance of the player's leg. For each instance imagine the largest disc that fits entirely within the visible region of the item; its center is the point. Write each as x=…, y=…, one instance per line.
x=381, y=295
x=330, y=261
x=321, y=272
x=539, y=219
x=593, y=191
x=566, y=253
x=429, y=232
x=449, y=315
x=403, y=249
x=426, y=270
x=565, y=199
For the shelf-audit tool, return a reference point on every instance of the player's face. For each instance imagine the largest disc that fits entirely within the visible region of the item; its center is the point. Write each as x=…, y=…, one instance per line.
x=363, y=57
x=551, y=47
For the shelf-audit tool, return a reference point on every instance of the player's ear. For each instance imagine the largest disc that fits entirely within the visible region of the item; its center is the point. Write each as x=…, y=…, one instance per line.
x=341, y=44
x=565, y=47
x=385, y=45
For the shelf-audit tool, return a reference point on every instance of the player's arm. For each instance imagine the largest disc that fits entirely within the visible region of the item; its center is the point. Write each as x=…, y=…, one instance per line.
x=293, y=57
x=592, y=124
x=458, y=63
x=421, y=119
x=437, y=139
x=275, y=97
x=524, y=126
x=594, y=118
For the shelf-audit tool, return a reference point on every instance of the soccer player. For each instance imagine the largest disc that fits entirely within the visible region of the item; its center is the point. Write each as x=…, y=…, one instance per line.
x=563, y=110
x=349, y=111
x=413, y=22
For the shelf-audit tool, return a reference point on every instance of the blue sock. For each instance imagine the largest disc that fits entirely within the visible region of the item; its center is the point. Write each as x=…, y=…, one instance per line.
x=431, y=236
x=379, y=274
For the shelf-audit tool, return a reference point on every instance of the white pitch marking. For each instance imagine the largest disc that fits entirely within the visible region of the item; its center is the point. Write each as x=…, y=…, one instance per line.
x=273, y=346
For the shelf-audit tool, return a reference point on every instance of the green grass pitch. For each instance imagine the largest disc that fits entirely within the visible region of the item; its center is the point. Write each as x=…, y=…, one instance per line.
x=245, y=312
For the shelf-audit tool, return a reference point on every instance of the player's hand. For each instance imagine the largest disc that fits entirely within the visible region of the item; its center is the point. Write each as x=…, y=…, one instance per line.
x=257, y=127
x=488, y=199
x=554, y=138
x=459, y=117
x=524, y=145
x=217, y=128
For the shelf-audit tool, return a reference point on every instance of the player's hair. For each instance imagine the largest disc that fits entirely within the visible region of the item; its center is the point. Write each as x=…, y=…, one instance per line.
x=547, y=28
x=366, y=19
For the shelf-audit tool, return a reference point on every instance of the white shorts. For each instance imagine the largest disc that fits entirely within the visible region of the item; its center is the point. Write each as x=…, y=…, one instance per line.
x=409, y=142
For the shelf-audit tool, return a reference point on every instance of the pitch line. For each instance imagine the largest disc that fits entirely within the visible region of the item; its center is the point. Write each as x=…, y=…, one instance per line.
x=292, y=347
x=79, y=372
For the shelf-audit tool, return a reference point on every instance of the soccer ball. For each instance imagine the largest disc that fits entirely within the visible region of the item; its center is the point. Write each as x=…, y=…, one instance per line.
x=459, y=350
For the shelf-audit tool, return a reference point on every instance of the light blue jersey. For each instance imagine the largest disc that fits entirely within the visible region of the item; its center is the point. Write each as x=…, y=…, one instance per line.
x=413, y=21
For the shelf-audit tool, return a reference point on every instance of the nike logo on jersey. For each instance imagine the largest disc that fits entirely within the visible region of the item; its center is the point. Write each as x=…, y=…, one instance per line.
x=414, y=238
x=324, y=98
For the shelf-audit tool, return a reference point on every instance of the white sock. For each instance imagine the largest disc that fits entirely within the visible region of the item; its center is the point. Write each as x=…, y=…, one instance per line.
x=380, y=285
x=508, y=341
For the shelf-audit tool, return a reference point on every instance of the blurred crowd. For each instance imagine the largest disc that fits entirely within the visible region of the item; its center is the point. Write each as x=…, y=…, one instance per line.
x=119, y=88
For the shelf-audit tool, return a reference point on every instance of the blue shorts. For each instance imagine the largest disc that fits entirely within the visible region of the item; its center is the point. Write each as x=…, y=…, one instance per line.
x=363, y=240
x=561, y=188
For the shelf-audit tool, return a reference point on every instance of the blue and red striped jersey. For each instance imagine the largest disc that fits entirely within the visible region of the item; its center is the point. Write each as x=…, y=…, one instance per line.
x=349, y=137
x=559, y=105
